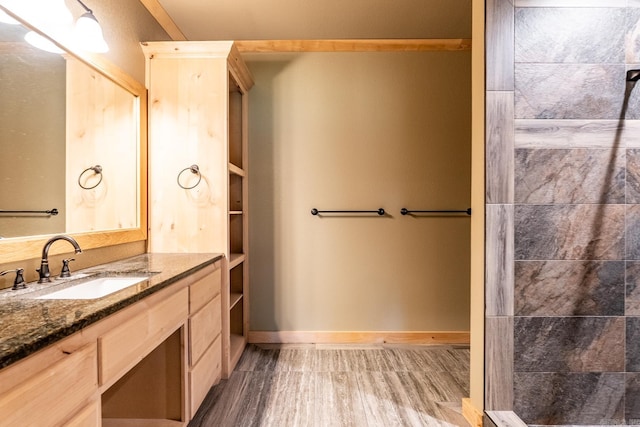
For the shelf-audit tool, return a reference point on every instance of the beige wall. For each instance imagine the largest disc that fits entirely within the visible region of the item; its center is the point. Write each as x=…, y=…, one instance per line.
x=359, y=131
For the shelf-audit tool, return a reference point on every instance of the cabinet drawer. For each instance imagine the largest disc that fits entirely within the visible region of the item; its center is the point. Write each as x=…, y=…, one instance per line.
x=204, y=326
x=205, y=374
x=50, y=396
x=125, y=345
x=89, y=416
x=204, y=290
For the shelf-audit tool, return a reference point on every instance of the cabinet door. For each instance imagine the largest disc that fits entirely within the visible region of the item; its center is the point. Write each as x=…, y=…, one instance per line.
x=204, y=290
x=89, y=416
x=204, y=327
x=205, y=374
x=50, y=396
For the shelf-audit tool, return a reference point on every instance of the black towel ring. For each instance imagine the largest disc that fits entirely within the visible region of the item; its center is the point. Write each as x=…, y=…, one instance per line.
x=195, y=170
x=97, y=170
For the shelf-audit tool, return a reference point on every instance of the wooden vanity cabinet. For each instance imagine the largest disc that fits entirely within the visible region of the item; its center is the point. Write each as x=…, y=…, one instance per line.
x=54, y=392
x=151, y=363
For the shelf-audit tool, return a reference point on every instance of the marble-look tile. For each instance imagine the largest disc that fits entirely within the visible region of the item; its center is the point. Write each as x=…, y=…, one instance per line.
x=499, y=147
x=256, y=358
x=338, y=400
x=547, y=133
x=234, y=401
x=499, y=51
x=499, y=241
x=352, y=360
x=296, y=359
x=420, y=360
x=569, y=232
x=411, y=406
x=632, y=45
x=569, y=176
x=358, y=397
x=566, y=288
x=582, y=35
x=499, y=363
x=569, y=344
x=378, y=400
x=632, y=398
x=632, y=232
x=434, y=386
x=633, y=344
x=289, y=400
x=570, y=398
x=450, y=414
x=632, y=283
x=633, y=176
x=570, y=91
x=504, y=419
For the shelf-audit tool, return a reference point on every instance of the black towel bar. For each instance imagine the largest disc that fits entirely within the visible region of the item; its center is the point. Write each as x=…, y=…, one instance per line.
x=405, y=211
x=53, y=211
x=315, y=211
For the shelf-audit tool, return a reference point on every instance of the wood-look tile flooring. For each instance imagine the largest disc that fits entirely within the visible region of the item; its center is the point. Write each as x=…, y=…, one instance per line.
x=346, y=385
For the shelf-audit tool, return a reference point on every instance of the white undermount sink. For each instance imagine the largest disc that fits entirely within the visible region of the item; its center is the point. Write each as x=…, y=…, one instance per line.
x=95, y=288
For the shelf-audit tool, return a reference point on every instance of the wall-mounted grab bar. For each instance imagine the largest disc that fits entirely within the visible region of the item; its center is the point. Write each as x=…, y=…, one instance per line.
x=53, y=211
x=405, y=211
x=315, y=211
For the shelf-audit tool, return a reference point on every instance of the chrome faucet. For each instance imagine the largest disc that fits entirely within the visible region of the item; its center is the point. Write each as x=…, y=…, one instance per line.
x=44, y=264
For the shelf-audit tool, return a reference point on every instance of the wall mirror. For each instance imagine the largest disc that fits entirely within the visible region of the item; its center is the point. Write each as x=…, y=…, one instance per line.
x=72, y=142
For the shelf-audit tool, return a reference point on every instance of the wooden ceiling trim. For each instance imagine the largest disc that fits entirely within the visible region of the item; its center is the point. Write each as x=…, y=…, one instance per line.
x=157, y=11
x=353, y=45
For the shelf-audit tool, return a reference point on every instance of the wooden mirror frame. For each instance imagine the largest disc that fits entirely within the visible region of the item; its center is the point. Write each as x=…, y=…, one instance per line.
x=22, y=248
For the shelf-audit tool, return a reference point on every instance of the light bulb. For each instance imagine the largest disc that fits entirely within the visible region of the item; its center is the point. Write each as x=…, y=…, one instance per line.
x=88, y=34
x=43, y=43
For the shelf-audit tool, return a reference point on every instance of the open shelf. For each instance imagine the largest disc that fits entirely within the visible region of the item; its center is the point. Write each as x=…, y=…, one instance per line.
x=236, y=234
x=236, y=279
x=149, y=394
x=235, y=123
x=235, y=170
x=234, y=299
x=235, y=259
x=235, y=192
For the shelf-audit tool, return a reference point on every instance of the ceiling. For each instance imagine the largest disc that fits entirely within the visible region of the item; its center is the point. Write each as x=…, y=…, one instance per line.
x=320, y=19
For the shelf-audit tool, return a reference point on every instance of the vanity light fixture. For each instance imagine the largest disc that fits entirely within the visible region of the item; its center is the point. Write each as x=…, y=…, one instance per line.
x=88, y=33
x=52, y=16
x=55, y=19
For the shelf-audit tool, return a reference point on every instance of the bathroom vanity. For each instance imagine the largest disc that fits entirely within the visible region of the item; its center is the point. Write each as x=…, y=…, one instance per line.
x=143, y=356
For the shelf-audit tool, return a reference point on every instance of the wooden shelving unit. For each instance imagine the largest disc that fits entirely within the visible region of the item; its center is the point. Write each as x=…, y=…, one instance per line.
x=198, y=115
x=238, y=308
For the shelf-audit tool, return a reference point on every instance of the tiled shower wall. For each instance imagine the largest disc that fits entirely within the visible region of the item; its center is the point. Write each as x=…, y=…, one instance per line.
x=563, y=211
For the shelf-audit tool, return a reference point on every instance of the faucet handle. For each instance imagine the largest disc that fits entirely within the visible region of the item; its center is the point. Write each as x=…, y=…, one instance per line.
x=65, y=272
x=18, y=283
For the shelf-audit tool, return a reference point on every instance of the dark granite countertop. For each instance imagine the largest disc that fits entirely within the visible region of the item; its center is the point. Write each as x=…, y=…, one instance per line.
x=28, y=324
